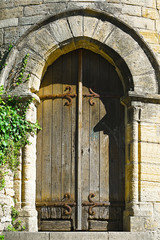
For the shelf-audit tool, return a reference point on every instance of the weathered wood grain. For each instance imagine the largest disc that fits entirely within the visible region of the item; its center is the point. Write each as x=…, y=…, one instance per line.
x=81, y=147
x=46, y=142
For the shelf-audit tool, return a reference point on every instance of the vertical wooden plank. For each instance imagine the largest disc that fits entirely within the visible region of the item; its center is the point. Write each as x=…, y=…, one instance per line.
x=79, y=190
x=94, y=135
x=85, y=142
x=74, y=81
x=104, y=138
x=56, y=137
x=66, y=128
x=39, y=151
x=104, y=166
x=46, y=147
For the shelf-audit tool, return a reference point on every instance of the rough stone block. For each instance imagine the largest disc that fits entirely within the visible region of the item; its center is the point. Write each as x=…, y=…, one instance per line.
x=79, y=236
x=30, y=20
x=150, y=132
x=57, y=7
x=134, y=62
x=145, y=209
x=9, y=22
x=139, y=22
x=150, y=172
x=5, y=4
x=76, y=24
x=35, y=64
x=16, y=3
x=121, y=42
x=12, y=34
x=131, y=10
x=150, y=37
x=11, y=12
x=60, y=30
x=151, y=113
x=149, y=191
x=150, y=13
x=131, y=236
x=89, y=26
x=142, y=224
x=102, y=30
x=42, y=42
x=27, y=2
x=44, y=9
x=145, y=82
x=112, y=8
x=146, y=3
x=41, y=9
x=150, y=152
x=26, y=236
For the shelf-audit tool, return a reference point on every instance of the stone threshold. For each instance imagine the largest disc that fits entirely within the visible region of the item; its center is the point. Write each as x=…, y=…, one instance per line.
x=81, y=236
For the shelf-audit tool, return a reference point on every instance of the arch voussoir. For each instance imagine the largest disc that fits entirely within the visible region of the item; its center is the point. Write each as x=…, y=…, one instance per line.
x=60, y=30
x=41, y=42
x=97, y=32
x=76, y=24
x=89, y=26
x=103, y=30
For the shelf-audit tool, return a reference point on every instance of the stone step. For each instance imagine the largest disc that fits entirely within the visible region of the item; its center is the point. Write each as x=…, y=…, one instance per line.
x=81, y=236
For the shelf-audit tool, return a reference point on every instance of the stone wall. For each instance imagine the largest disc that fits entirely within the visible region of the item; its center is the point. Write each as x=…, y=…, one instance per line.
x=6, y=201
x=142, y=189
x=18, y=16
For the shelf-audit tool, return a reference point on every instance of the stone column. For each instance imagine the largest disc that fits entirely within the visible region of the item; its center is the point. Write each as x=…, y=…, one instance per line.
x=133, y=160
x=141, y=136
x=28, y=212
x=132, y=124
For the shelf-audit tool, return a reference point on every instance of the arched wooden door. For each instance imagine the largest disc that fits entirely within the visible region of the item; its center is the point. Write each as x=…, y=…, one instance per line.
x=80, y=149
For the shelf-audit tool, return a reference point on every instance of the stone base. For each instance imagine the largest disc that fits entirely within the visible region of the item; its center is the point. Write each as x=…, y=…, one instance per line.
x=29, y=220
x=139, y=224
x=83, y=236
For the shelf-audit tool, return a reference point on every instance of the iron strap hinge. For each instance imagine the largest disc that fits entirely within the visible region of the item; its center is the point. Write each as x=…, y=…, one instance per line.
x=93, y=204
x=69, y=95
x=67, y=204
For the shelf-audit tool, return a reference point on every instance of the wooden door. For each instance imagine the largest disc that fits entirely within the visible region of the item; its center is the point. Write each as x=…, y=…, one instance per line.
x=80, y=149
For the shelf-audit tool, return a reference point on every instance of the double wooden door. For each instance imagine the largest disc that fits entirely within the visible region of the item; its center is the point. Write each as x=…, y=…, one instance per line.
x=80, y=149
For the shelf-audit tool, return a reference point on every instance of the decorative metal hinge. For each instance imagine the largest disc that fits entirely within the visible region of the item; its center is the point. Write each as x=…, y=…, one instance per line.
x=91, y=95
x=93, y=204
x=67, y=204
x=69, y=95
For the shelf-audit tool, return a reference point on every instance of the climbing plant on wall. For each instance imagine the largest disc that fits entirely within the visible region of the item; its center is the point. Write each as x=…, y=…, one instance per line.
x=14, y=128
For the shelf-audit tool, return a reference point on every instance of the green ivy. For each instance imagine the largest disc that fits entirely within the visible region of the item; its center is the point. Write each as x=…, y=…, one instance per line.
x=2, y=179
x=1, y=237
x=16, y=224
x=14, y=128
x=22, y=71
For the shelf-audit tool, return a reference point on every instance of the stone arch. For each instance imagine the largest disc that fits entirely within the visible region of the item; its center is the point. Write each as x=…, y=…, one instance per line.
x=90, y=29
x=102, y=34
